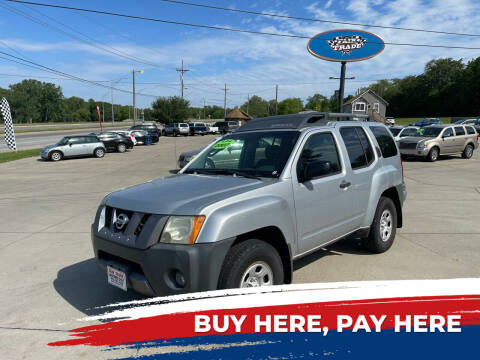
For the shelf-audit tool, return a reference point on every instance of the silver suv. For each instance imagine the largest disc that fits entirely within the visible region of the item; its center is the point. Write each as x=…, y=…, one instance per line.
x=251, y=203
x=74, y=146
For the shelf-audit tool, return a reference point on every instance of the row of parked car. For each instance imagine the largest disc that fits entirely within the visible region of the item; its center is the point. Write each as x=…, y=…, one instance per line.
x=96, y=144
x=199, y=128
x=429, y=138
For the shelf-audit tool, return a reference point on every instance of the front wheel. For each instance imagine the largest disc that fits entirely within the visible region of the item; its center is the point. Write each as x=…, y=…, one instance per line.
x=433, y=154
x=99, y=153
x=56, y=156
x=251, y=263
x=384, y=227
x=467, y=152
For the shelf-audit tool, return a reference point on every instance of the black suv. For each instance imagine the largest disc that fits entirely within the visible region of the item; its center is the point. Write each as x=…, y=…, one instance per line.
x=225, y=127
x=151, y=129
x=114, y=141
x=198, y=129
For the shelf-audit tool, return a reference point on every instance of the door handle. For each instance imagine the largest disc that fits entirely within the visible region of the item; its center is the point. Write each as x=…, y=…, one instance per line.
x=344, y=184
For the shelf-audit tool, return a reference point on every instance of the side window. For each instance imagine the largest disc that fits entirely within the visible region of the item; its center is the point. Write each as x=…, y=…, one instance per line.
x=459, y=130
x=76, y=140
x=358, y=147
x=470, y=130
x=448, y=132
x=385, y=141
x=321, y=148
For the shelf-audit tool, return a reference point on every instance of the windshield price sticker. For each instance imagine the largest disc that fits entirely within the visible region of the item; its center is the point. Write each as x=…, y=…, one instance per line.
x=223, y=144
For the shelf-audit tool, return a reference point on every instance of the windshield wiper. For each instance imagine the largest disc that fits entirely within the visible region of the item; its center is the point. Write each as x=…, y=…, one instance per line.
x=224, y=172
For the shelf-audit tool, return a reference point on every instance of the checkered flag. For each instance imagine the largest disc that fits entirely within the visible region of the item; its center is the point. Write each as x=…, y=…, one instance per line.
x=7, y=118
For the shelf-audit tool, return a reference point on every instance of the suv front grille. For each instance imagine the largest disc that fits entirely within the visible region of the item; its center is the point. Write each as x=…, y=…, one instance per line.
x=113, y=224
x=408, y=146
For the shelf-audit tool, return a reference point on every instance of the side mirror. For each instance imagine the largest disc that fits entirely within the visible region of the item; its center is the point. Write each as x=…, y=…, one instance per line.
x=70, y=144
x=315, y=169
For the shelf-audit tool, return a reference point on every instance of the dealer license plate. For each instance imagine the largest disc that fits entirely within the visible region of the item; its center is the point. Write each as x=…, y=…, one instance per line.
x=117, y=278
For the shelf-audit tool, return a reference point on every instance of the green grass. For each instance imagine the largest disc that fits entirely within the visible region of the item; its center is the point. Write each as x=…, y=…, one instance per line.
x=408, y=121
x=16, y=155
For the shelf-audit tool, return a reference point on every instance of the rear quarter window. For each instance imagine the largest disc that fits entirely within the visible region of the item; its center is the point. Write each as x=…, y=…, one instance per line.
x=470, y=130
x=385, y=141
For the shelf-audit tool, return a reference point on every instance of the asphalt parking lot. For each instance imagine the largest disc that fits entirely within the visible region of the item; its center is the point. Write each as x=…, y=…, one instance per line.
x=49, y=277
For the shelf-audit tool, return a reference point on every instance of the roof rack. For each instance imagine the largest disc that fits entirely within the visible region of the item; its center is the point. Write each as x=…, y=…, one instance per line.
x=300, y=120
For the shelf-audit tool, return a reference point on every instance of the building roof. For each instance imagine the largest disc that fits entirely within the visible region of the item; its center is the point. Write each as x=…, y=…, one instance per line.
x=238, y=114
x=363, y=93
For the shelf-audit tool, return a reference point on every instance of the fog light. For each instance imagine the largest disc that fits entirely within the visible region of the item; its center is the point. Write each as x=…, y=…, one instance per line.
x=180, y=279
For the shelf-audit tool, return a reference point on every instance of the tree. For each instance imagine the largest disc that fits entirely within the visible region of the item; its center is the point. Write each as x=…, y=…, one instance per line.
x=51, y=103
x=24, y=99
x=171, y=109
x=316, y=102
x=256, y=107
x=290, y=106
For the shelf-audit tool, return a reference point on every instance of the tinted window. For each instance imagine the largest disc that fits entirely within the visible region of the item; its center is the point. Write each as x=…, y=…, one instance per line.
x=395, y=131
x=385, y=141
x=367, y=147
x=320, y=147
x=77, y=140
x=355, y=147
x=409, y=132
x=448, y=132
x=459, y=130
x=470, y=130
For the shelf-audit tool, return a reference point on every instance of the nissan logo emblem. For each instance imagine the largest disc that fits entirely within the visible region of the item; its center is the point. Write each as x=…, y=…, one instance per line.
x=121, y=221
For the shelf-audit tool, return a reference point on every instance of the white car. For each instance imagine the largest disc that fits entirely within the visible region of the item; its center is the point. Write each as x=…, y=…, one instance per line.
x=401, y=132
x=213, y=129
x=389, y=121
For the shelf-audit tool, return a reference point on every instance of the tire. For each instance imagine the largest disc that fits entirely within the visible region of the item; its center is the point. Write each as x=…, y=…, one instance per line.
x=385, y=218
x=247, y=258
x=99, y=153
x=56, y=156
x=467, y=152
x=121, y=148
x=433, y=154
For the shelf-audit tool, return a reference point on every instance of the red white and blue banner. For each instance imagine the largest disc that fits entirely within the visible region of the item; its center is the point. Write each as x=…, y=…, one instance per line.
x=349, y=320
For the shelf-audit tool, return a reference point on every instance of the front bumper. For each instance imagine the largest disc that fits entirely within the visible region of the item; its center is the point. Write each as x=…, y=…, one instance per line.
x=153, y=271
x=414, y=152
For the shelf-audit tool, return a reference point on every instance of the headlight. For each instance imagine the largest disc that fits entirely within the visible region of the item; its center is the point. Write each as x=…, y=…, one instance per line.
x=182, y=229
x=420, y=146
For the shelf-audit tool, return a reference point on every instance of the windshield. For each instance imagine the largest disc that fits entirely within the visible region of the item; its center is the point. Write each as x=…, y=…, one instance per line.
x=430, y=132
x=257, y=154
x=395, y=131
x=410, y=132
x=64, y=141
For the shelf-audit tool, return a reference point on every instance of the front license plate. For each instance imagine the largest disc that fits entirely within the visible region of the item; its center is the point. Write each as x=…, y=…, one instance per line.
x=117, y=278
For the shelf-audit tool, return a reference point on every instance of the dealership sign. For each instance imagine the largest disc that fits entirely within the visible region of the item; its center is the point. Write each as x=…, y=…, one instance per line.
x=345, y=45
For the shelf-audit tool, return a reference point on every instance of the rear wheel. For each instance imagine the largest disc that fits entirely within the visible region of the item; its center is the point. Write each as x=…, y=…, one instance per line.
x=99, y=153
x=467, y=152
x=384, y=227
x=121, y=148
x=251, y=263
x=56, y=156
x=433, y=154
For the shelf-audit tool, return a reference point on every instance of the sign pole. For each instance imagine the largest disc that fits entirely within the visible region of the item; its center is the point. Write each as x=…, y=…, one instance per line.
x=342, y=87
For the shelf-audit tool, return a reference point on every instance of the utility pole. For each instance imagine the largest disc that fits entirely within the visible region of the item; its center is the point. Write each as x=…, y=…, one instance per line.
x=225, y=101
x=182, y=71
x=103, y=111
x=133, y=85
x=113, y=115
x=204, y=117
x=276, y=99
x=248, y=102
x=341, y=91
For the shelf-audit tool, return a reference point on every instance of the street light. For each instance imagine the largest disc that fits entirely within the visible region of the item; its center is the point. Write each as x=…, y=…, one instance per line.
x=133, y=85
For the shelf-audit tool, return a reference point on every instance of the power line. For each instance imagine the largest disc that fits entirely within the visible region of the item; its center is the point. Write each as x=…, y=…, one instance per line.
x=212, y=27
x=315, y=20
x=38, y=66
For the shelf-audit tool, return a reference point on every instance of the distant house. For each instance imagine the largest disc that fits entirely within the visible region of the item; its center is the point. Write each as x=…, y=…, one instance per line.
x=366, y=103
x=238, y=115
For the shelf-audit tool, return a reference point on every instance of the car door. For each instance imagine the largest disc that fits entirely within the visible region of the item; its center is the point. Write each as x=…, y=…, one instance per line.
x=460, y=137
x=362, y=162
x=76, y=146
x=322, y=204
x=448, y=142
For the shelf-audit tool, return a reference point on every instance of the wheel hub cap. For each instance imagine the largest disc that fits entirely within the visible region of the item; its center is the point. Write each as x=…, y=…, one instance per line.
x=386, y=225
x=257, y=274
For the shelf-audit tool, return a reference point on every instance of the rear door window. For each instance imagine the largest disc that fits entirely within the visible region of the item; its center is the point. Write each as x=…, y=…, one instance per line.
x=358, y=147
x=385, y=141
x=459, y=130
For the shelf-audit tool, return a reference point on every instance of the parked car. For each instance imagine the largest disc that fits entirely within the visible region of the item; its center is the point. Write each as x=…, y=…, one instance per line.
x=250, y=204
x=74, y=146
x=474, y=122
x=114, y=141
x=427, y=122
x=127, y=133
x=225, y=127
x=142, y=137
x=198, y=129
x=186, y=157
x=443, y=139
x=212, y=129
x=401, y=132
x=389, y=121
x=176, y=129
x=152, y=129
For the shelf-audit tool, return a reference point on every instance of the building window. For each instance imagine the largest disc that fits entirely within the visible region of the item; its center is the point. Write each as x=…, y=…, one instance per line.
x=376, y=107
x=359, y=106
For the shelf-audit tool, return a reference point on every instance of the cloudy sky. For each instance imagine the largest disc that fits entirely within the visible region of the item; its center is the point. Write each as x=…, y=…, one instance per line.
x=104, y=48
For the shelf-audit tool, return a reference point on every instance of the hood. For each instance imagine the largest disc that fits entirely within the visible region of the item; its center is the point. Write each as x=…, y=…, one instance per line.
x=48, y=147
x=184, y=194
x=414, y=139
x=190, y=153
